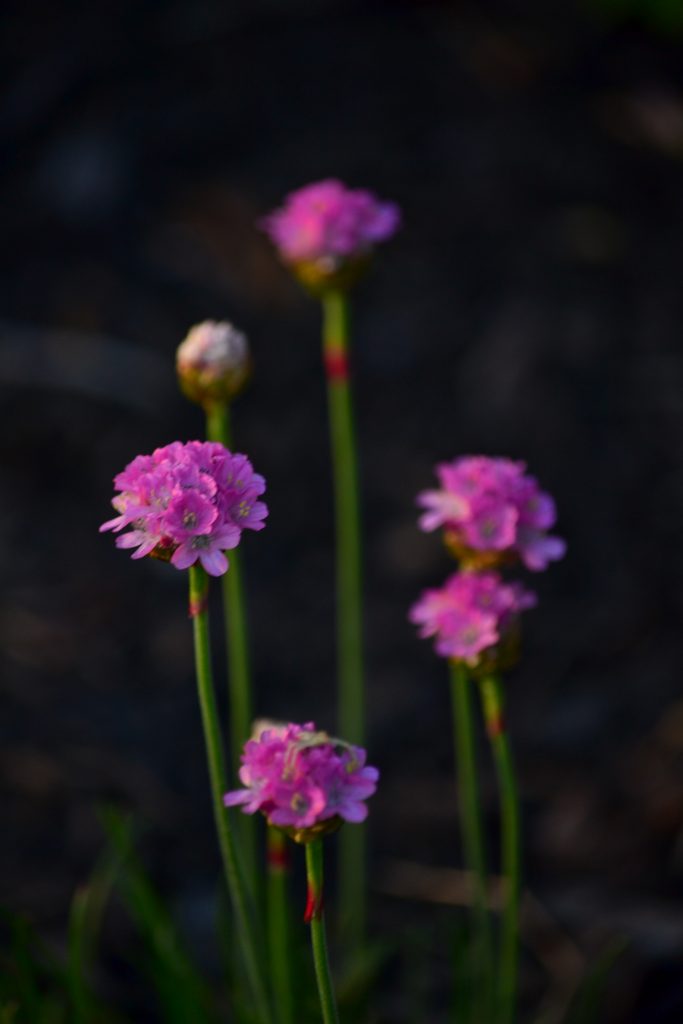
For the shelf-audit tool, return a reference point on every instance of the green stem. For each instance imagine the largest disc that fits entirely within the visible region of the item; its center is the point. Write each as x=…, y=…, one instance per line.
x=237, y=648
x=349, y=589
x=314, y=875
x=472, y=828
x=492, y=702
x=234, y=606
x=199, y=590
x=279, y=925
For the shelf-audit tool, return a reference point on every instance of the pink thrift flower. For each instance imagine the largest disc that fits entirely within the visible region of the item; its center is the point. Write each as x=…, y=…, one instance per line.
x=301, y=779
x=491, y=525
x=190, y=513
x=492, y=505
x=187, y=503
x=208, y=548
x=471, y=613
x=328, y=224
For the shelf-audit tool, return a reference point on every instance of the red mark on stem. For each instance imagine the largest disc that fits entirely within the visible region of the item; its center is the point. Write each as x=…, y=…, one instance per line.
x=278, y=857
x=495, y=724
x=314, y=906
x=336, y=365
x=198, y=605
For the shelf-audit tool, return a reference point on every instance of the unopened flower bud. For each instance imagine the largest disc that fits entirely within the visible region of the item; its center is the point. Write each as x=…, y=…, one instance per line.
x=213, y=363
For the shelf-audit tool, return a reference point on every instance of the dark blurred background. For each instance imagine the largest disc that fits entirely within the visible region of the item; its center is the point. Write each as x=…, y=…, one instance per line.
x=531, y=306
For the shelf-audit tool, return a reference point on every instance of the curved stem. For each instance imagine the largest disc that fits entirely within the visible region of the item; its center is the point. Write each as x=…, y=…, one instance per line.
x=199, y=590
x=349, y=588
x=279, y=925
x=472, y=829
x=314, y=913
x=492, y=702
x=237, y=650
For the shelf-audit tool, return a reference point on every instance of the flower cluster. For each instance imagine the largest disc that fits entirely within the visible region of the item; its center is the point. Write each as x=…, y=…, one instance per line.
x=328, y=225
x=301, y=779
x=213, y=362
x=187, y=502
x=492, y=505
x=470, y=613
x=493, y=513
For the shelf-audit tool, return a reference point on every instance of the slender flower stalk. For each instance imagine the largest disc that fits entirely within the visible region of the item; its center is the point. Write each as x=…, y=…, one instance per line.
x=349, y=587
x=473, y=833
x=239, y=668
x=280, y=925
x=348, y=546
x=234, y=608
x=492, y=703
x=314, y=916
x=349, y=583
x=326, y=234
x=199, y=592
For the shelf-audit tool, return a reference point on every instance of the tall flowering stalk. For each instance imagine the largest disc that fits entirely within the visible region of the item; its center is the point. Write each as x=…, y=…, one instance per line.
x=493, y=514
x=307, y=784
x=470, y=617
x=492, y=703
x=325, y=234
x=349, y=577
x=185, y=504
x=214, y=364
x=280, y=938
x=464, y=732
x=314, y=916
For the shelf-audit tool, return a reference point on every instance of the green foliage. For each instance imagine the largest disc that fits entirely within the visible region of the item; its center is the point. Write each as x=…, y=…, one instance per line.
x=85, y=920
x=588, y=1003
x=23, y=973
x=359, y=979
x=464, y=974
x=664, y=15
x=181, y=991
x=39, y=987
x=36, y=987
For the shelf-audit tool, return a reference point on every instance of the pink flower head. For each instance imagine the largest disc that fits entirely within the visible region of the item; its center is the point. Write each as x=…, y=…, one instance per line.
x=187, y=503
x=470, y=613
x=492, y=505
x=328, y=224
x=300, y=778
